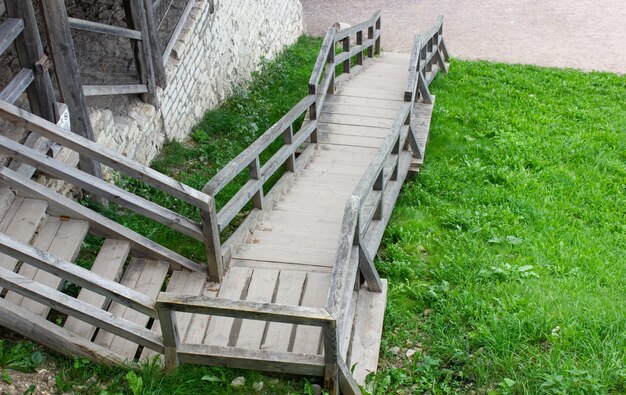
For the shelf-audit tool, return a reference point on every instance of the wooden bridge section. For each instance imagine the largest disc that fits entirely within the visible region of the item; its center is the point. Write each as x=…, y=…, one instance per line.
x=293, y=289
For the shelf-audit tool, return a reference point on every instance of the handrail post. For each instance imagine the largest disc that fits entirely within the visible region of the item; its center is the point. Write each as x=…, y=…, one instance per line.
x=212, y=241
x=377, y=45
x=346, y=48
x=331, y=349
x=171, y=339
x=331, y=63
x=370, y=36
x=359, y=41
x=254, y=169
x=290, y=163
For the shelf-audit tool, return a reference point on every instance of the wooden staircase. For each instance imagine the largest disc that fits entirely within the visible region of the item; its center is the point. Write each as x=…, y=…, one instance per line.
x=293, y=289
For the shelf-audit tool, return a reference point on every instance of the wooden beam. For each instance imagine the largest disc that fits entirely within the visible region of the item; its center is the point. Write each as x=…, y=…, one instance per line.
x=108, y=157
x=77, y=275
x=41, y=96
x=101, y=188
x=156, y=53
x=84, y=311
x=99, y=224
x=17, y=86
x=95, y=27
x=61, y=46
x=104, y=90
x=200, y=304
x=9, y=30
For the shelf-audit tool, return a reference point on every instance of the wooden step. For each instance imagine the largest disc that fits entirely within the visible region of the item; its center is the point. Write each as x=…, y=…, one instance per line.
x=308, y=339
x=368, y=328
x=61, y=238
x=109, y=265
x=20, y=222
x=182, y=282
x=145, y=276
x=17, y=86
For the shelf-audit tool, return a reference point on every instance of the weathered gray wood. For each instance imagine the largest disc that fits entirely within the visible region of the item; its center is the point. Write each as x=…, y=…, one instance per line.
x=101, y=188
x=171, y=338
x=358, y=27
x=265, y=360
x=331, y=338
x=327, y=45
x=17, y=86
x=136, y=19
x=99, y=224
x=176, y=33
x=63, y=240
x=156, y=53
x=102, y=154
x=308, y=338
x=104, y=90
x=411, y=82
x=366, y=264
x=54, y=337
x=212, y=244
x=108, y=265
x=365, y=345
x=347, y=383
x=241, y=162
x=95, y=27
x=145, y=277
x=9, y=30
x=61, y=47
x=30, y=54
x=226, y=307
x=77, y=275
x=261, y=290
x=86, y=312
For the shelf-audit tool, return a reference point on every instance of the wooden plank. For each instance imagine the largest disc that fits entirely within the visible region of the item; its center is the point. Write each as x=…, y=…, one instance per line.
x=108, y=265
x=37, y=143
x=107, y=90
x=394, y=95
x=353, y=110
x=285, y=254
x=64, y=244
x=368, y=327
x=348, y=328
x=265, y=360
x=101, y=188
x=343, y=119
x=262, y=289
x=100, y=225
x=353, y=141
x=7, y=197
x=143, y=276
x=17, y=86
x=234, y=287
x=199, y=322
x=181, y=282
x=279, y=266
x=369, y=102
x=307, y=339
x=71, y=306
x=95, y=27
x=176, y=33
x=61, y=47
x=20, y=223
x=41, y=97
x=9, y=30
x=289, y=292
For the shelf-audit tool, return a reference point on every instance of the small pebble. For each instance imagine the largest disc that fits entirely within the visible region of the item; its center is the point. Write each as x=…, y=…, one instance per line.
x=317, y=389
x=410, y=352
x=395, y=350
x=238, y=382
x=258, y=386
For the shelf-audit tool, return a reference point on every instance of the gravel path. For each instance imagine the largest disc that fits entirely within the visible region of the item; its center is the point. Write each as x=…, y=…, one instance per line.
x=582, y=34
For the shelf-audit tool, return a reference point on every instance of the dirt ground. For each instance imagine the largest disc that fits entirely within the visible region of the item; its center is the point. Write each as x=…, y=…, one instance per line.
x=581, y=34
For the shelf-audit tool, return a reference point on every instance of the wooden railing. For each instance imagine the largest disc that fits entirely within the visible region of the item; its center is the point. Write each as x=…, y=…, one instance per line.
x=323, y=77
x=199, y=231
x=74, y=307
x=428, y=56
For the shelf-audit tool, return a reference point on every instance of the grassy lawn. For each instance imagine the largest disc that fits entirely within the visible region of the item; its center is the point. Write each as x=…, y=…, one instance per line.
x=505, y=257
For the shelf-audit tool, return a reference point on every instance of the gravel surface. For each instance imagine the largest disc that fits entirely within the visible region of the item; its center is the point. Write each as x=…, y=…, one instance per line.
x=581, y=34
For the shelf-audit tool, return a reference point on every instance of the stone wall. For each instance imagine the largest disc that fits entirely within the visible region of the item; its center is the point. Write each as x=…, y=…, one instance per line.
x=214, y=53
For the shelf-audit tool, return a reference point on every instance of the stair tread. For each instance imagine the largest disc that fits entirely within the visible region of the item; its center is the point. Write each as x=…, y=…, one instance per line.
x=181, y=282
x=109, y=265
x=145, y=276
x=20, y=222
x=61, y=238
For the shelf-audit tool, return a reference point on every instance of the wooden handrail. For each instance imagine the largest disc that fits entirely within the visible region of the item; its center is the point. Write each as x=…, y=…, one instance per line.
x=428, y=56
x=96, y=27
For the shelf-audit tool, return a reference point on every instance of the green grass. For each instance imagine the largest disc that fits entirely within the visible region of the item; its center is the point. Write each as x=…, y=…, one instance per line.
x=505, y=257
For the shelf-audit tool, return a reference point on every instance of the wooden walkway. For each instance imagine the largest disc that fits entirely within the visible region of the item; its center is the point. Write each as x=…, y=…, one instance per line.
x=293, y=289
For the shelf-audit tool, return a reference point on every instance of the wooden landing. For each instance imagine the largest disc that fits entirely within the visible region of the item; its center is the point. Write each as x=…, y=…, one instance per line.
x=287, y=258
